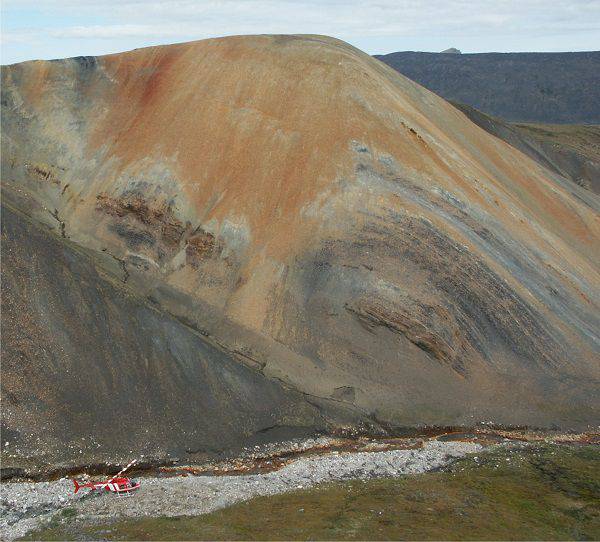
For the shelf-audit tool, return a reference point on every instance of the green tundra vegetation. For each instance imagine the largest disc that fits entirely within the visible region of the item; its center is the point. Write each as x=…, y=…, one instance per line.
x=529, y=492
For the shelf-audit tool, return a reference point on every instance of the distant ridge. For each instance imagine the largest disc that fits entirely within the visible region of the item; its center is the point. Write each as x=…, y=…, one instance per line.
x=524, y=87
x=452, y=51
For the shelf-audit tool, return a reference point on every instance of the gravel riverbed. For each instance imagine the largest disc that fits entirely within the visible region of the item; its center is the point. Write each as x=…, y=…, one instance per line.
x=28, y=505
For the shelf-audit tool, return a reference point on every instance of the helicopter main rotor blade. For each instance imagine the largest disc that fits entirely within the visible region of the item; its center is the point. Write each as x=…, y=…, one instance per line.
x=122, y=470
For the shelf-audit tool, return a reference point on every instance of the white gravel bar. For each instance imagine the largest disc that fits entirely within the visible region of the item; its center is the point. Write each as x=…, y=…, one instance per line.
x=26, y=506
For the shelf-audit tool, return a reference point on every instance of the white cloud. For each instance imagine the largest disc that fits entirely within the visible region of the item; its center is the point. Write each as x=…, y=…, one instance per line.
x=115, y=31
x=142, y=22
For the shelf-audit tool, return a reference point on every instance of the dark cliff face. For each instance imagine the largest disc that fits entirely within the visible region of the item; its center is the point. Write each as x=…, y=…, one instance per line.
x=572, y=151
x=349, y=240
x=524, y=87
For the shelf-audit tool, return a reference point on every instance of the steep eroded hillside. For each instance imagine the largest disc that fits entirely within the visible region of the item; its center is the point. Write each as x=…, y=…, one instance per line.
x=343, y=229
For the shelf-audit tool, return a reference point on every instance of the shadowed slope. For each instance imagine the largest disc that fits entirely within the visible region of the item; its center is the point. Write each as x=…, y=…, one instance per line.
x=572, y=151
x=339, y=227
x=91, y=374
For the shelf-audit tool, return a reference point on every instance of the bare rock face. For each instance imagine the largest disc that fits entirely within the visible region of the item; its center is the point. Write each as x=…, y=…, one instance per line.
x=325, y=220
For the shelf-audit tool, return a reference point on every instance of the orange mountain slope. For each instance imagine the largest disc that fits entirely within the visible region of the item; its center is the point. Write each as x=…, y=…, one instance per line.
x=329, y=222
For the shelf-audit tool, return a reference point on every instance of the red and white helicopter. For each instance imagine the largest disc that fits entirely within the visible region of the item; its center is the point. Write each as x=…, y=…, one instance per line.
x=118, y=484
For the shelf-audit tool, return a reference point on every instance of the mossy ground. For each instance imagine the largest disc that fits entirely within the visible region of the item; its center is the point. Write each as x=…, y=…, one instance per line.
x=541, y=492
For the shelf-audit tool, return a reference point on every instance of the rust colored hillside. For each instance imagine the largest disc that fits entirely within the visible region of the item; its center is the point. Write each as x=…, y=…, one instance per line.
x=330, y=223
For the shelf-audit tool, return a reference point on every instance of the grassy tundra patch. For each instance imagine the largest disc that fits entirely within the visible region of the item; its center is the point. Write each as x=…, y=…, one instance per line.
x=537, y=492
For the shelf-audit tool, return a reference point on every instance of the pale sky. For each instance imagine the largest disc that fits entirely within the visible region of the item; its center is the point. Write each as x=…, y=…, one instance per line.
x=44, y=29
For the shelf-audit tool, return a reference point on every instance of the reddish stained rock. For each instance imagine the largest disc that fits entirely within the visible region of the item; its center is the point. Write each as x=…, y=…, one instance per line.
x=200, y=245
